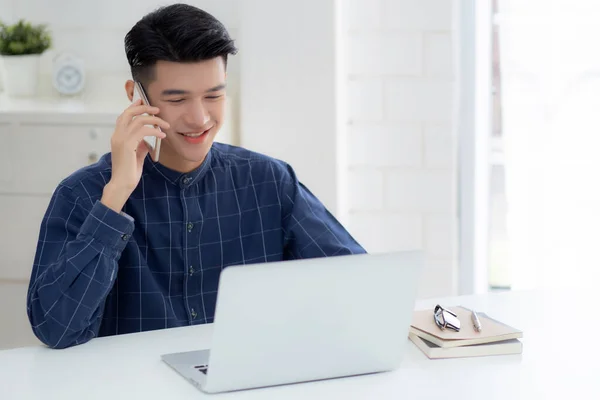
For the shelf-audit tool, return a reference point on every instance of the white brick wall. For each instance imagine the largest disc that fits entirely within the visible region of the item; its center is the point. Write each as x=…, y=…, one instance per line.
x=386, y=144
x=390, y=53
x=384, y=230
x=365, y=100
x=420, y=99
x=422, y=15
x=438, y=139
x=419, y=191
x=401, y=146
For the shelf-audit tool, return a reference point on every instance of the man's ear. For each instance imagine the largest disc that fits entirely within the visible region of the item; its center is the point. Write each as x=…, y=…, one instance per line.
x=129, y=85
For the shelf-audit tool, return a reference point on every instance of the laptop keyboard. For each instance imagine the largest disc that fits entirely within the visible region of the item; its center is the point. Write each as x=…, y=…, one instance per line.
x=202, y=368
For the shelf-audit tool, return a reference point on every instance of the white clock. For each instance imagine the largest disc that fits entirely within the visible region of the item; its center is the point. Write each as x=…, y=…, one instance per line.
x=68, y=74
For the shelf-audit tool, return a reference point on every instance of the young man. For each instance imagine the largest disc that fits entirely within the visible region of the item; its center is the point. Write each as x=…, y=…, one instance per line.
x=131, y=245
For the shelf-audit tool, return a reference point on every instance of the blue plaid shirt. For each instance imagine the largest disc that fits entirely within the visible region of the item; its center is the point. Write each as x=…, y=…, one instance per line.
x=157, y=264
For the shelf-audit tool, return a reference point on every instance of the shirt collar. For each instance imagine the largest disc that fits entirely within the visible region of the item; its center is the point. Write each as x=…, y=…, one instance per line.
x=175, y=177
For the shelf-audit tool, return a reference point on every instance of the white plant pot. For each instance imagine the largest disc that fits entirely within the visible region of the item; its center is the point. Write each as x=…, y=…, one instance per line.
x=21, y=75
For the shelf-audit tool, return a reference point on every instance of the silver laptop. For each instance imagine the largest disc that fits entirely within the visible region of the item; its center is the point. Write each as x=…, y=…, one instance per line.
x=305, y=320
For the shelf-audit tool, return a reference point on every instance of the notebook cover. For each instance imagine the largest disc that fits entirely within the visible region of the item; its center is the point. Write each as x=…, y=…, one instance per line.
x=423, y=325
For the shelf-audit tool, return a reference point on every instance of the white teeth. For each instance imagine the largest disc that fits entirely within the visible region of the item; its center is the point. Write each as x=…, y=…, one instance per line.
x=192, y=134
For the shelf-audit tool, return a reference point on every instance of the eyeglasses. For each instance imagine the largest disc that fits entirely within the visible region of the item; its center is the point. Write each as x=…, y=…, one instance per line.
x=445, y=318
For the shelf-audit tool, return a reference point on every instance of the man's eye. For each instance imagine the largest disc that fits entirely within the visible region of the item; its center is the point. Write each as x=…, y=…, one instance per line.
x=213, y=97
x=175, y=101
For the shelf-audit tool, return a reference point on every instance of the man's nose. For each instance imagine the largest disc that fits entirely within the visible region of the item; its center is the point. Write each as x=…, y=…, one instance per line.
x=199, y=114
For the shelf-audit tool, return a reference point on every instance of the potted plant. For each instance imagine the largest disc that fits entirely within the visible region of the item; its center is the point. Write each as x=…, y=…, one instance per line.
x=21, y=46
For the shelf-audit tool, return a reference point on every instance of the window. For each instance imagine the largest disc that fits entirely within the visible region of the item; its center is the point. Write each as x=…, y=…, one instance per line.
x=544, y=204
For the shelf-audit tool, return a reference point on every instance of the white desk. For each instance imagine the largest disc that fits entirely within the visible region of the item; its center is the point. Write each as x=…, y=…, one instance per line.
x=554, y=364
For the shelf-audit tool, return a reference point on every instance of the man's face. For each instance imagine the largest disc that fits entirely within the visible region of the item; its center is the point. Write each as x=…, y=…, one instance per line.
x=191, y=98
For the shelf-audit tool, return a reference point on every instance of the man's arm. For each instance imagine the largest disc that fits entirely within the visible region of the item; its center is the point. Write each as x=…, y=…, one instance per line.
x=76, y=259
x=310, y=229
x=74, y=269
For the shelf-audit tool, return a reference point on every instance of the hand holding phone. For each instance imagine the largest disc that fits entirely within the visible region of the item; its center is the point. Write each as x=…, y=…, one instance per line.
x=129, y=148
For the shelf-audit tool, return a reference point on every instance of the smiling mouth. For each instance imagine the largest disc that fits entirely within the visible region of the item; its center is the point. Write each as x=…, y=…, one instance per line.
x=193, y=134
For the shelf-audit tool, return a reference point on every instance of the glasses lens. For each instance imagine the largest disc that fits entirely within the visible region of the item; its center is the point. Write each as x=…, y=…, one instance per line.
x=438, y=316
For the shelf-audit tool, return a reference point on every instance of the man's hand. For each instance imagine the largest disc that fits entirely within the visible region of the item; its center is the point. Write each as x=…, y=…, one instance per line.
x=128, y=151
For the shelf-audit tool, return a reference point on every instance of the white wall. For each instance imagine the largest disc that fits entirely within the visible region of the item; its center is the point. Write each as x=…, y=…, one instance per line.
x=288, y=88
x=401, y=142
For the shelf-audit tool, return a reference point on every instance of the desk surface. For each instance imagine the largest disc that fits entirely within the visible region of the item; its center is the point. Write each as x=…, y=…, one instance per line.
x=554, y=364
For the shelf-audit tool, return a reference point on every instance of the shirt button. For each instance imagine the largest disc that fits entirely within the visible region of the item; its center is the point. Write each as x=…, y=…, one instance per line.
x=190, y=226
x=125, y=236
x=191, y=270
x=186, y=180
x=194, y=314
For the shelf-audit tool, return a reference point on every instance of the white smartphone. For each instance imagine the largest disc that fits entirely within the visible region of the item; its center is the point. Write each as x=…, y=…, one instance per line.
x=152, y=142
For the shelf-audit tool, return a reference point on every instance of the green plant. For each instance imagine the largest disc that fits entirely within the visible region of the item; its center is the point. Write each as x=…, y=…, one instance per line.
x=24, y=38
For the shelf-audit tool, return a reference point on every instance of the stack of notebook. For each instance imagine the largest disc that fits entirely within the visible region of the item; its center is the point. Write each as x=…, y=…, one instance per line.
x=495, y=338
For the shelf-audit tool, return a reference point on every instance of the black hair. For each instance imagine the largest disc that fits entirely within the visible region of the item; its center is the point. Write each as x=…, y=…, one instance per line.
x=177, y=33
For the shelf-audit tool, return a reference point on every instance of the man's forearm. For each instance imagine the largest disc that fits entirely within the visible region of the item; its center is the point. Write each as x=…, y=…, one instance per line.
x=75, y=270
